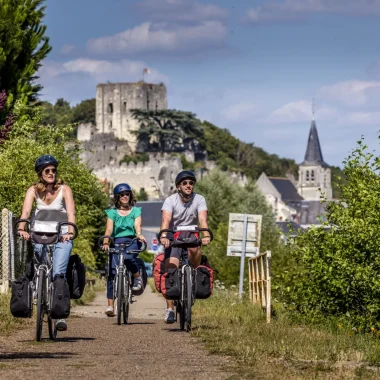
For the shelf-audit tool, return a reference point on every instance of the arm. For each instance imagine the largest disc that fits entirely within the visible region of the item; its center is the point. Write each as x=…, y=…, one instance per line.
x=109, y=230
x=202, y=218
x=70, y=206
x=138, y=228
x=26, y=210
x=166, y=219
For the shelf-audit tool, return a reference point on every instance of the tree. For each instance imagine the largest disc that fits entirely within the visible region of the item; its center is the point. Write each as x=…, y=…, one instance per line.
x=28, y=140
x=23, y=46
x=223, y=197
x=58, y=114
x=170, y=128
x=84, y=112
x=335, y=273
x=142, y=195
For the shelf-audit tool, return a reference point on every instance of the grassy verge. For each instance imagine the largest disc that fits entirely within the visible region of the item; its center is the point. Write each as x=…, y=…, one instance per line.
x=151, y=284
x=281, y=350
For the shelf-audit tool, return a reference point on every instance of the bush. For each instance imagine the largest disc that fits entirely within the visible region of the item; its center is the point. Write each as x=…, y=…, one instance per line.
x=336, y=272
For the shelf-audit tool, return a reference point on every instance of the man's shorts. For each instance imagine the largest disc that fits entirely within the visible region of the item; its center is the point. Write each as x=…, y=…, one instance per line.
x=173, y=252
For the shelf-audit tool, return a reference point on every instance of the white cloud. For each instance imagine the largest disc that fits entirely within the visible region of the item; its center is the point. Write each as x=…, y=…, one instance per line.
x=163, y=37
x=299, y=112
x=67, y=49
x=240, y=111
x=180, y=10
x=352, y=92
x=366, y=119
x=101, y=70
x=297, y=9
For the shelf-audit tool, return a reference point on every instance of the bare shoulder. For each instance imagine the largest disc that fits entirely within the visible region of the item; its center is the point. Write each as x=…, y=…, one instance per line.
x=67, y=190
x=31, y=191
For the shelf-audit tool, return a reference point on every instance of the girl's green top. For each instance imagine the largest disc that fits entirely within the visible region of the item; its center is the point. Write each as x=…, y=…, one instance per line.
x=123, y=226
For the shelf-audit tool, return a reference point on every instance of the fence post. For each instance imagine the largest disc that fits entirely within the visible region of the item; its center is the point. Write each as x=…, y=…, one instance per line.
x=268, y=276
x=4, y=280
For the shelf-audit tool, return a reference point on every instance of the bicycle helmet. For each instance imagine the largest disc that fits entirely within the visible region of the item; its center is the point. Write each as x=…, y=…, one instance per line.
x=185, y=174
x=44, y=161
x=120, y=188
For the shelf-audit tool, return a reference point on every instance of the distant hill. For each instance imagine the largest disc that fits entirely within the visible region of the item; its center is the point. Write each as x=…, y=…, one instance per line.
x=227, y=151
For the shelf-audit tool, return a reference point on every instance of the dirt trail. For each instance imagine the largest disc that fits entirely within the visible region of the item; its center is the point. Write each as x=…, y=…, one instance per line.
x=95, y=347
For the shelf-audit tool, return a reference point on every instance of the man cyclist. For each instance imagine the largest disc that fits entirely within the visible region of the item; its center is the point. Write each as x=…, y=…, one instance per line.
x=183, y=208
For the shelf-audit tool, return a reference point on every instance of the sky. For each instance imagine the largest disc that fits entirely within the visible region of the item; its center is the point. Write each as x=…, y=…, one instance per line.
x=253, y=67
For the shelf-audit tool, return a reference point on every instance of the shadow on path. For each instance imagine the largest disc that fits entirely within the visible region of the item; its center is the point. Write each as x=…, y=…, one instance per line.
x=35, y=355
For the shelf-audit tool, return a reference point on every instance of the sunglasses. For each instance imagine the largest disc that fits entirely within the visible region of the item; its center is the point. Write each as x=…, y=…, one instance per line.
x=184, y=183
x=48, y=171
x=121, y=195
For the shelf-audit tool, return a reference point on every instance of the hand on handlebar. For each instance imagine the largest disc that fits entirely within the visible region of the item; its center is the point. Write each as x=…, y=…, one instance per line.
x=141, y=238
x=105, y=247
x=206, y=240
x=66, y=237
x=165, y=242
x=24, y=235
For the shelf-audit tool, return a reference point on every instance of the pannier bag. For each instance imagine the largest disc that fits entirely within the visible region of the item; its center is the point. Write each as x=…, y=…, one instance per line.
x=76, y=276
x=21, y=299
x=186, y=239
x=60, y=303
x=204, y=282
x=171, y=284
x=141, y=265
x=158, y=270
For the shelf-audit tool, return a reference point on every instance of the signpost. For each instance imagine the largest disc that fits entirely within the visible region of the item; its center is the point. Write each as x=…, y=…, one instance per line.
x=154, y=246
x=244, y=233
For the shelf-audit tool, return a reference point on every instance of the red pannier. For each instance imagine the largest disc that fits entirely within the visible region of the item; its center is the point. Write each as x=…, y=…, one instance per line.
x=204, y=282
x=158, y=270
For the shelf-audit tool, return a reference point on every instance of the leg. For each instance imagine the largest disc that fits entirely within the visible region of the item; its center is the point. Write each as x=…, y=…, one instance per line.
x=40, y=253
x=171, y=261
x=195, y=256
x=111, y=276
x=61, y=257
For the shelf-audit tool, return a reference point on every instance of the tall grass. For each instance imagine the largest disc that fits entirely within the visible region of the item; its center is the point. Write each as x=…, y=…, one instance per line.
x=281, y=349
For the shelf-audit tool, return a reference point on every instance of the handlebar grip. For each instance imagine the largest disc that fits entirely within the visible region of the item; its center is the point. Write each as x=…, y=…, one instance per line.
x=100, y=241
x=18, y=221
x=209, y=231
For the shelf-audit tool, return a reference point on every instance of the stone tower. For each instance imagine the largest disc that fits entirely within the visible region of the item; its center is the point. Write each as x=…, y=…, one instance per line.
x=314, y=173
x=115, y=100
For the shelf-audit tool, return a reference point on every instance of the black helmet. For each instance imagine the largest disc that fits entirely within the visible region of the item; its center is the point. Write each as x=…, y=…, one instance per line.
x=120, y=188
x=185, y=174
x=44, y=161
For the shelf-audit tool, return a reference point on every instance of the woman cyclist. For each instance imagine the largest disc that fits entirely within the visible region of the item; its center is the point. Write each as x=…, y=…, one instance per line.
x=123, y=224
x=53, y=199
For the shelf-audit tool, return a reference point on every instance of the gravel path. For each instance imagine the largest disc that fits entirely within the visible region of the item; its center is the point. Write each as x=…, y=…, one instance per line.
x=95, y=347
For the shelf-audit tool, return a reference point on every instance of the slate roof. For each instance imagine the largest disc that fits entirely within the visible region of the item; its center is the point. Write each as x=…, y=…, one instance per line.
x=286, y=188
x=151, y=213
x=313, y=155
x=285, y=228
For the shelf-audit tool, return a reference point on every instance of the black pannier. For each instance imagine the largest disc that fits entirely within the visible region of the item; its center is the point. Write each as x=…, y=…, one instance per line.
x=60, y=302
x=171, y=284
x=76, y=276
x=22, y=298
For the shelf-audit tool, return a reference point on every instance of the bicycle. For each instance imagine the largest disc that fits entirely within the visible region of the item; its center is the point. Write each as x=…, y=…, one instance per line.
x=42, y=283
x=122, y=283
x=187, y=299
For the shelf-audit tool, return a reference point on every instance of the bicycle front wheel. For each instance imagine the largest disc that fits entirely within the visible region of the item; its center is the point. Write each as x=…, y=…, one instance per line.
x=120, y=291
x=51, y=321
x=188, y=298
x=127, y=293
x=40, y=303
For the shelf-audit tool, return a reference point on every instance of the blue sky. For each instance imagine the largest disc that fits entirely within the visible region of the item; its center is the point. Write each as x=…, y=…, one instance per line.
x=253, y=67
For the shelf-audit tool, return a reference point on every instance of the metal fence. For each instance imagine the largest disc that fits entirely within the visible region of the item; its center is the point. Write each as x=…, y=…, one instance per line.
x=260, y=281
x=13, y=251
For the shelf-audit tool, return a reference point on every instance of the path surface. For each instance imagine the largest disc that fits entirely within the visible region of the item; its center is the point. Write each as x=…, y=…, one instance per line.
x=95, y=347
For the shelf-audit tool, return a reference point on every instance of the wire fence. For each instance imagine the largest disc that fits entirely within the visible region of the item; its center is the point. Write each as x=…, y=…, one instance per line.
x=13, y=251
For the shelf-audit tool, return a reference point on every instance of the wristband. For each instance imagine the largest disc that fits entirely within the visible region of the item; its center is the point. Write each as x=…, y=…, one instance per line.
x=20, y=229
x=105, y=243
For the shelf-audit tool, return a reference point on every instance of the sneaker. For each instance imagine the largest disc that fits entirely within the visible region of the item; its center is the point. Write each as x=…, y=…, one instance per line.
x=169, y=316
x=137, y=284
x=61, y=325
x=110, y=312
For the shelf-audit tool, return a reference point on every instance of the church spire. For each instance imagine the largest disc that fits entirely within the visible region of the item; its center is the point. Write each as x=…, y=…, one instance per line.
x=313, y=155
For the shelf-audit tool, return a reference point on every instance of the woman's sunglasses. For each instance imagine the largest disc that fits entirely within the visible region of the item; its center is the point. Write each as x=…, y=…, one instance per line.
x=184, y=183
x=48, y=171
x=121, y=195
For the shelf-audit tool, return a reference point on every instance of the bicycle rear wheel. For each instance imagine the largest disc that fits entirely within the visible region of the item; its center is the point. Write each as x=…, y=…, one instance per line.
x=120, y=291
x=51, y=321
x=40, y=303
x=188, y=298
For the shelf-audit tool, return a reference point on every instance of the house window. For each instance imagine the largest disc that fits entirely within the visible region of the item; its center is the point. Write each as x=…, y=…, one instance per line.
x=110, y=124
x=125, y=106
x=312, y=176
x=307, y=176
x=110, y=108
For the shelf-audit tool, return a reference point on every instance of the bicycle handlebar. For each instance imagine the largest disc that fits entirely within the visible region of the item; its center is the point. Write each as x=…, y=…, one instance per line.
x=198, y=230
x=126, y=245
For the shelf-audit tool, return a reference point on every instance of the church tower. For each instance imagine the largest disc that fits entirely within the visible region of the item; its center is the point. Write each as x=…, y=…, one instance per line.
x=314, y=173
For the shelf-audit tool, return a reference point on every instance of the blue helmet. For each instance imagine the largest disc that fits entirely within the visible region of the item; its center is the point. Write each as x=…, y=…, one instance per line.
x=44, y=161
x=120, y=188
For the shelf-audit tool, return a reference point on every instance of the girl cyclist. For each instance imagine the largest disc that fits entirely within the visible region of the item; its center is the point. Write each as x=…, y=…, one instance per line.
x=123, y=224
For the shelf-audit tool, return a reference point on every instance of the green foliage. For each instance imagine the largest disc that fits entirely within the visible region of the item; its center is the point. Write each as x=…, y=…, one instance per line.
x=146, y=257
x=142, y=195
x=337, y=177
x=135, y=158
x=84, y=112
x=58, y=114
x=336, y=273
x=23, y=46
x=169, y=128
x=29, y=140
x=224, y=197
